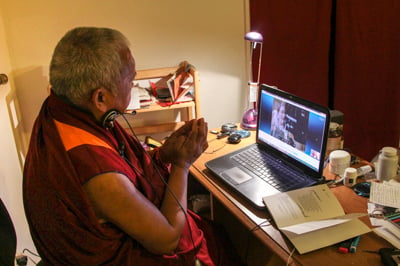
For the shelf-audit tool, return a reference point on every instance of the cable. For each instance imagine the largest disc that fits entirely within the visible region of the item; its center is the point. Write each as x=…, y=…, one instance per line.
x=154, y=166
x=32, y=253
x=161, y=178
x=138, y=171
x=258, y=226
x=290, y=257
x=215, y=149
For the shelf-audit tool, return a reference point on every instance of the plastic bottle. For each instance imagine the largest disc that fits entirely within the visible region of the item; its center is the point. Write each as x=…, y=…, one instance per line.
x=350, y=176
x=363, y=170
x=387, y=164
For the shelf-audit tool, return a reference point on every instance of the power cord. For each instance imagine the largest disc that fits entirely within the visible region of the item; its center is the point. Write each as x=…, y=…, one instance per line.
x=22, y=259
x=290, y=257
x=258, y=226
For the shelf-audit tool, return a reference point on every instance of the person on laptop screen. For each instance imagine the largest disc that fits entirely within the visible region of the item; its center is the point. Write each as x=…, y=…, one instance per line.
x=279, y=124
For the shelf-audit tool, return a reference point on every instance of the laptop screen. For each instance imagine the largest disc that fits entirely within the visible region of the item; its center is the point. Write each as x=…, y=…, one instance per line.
x=293, y=127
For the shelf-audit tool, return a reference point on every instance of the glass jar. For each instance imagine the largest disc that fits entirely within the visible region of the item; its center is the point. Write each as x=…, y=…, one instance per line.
x=335, y=138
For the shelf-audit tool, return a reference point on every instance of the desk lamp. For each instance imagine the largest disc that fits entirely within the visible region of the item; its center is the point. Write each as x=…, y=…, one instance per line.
x=249, y=120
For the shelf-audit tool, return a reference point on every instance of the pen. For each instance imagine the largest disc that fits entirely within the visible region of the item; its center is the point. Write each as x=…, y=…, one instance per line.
x=395, y=220
x=344, y=246
x=393, y=215
x=354, y=244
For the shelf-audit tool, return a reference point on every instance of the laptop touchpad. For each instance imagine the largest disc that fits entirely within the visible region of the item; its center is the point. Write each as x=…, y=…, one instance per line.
x=236, y=175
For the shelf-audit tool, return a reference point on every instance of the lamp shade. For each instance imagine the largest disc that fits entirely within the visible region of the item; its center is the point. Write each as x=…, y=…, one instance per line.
x=254, y=37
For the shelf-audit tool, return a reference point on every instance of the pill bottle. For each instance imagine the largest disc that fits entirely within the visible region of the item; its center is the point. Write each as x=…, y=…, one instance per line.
x=350, y=176
x=335, y=138
x=387, y=164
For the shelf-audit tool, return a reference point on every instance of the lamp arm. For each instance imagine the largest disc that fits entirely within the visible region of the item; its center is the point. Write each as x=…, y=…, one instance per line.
x=259, y=64
x=250, y=72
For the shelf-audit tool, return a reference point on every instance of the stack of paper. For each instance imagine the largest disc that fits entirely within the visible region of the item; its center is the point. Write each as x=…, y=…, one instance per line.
x=140, y=98
x=384, y=209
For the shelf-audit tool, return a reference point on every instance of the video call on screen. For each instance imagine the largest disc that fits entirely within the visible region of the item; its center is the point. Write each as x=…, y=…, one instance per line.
x=292, y=124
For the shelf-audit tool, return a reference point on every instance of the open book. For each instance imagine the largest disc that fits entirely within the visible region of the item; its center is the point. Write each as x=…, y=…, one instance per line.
x=180, y=86
x=175, y=87
x=313, y=218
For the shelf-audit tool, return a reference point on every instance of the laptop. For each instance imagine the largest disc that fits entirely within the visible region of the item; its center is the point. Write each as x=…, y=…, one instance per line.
x=289, y=151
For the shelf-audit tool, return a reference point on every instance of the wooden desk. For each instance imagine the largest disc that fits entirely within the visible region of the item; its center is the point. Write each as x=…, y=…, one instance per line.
x=270, y=237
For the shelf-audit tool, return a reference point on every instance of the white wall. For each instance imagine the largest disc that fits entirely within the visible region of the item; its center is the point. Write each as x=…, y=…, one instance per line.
x=10, y=164
x=209, y=34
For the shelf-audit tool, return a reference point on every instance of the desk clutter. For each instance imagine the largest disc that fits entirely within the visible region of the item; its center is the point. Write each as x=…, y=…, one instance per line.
x=383, y=167
x=360, y=248
x=309, y=216
x=379, y=182
x=231, y=131
x=312, y=218
x=384, y=210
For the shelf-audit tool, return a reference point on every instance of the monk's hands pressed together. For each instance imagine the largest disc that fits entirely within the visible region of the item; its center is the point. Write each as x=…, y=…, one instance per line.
x=186, y=144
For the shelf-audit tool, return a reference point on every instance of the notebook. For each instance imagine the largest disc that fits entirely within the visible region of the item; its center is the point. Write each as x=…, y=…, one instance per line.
x=290, y=142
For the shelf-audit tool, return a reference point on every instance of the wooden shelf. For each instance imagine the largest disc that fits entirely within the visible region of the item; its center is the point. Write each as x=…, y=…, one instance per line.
x=187, y=110
x=156, y=107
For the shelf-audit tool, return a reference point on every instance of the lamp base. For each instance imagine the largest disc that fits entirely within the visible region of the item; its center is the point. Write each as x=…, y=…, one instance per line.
x=249, y=120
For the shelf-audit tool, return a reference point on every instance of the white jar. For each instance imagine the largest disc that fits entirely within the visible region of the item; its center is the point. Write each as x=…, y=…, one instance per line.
x=387, y=164
x=339, y=160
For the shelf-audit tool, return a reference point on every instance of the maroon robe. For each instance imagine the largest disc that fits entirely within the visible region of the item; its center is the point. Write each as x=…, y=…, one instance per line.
x=68, y=148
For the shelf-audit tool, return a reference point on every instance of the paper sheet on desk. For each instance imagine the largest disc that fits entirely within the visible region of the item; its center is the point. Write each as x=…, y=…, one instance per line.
x=312, y=226
x=318, y=225
x=327, y=236
x=386, y=194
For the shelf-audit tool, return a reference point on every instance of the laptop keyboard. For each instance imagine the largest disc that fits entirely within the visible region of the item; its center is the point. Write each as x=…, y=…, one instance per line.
x=268, y=169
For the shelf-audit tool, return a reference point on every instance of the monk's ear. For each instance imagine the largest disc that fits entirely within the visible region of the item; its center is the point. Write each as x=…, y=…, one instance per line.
x=100, y=99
